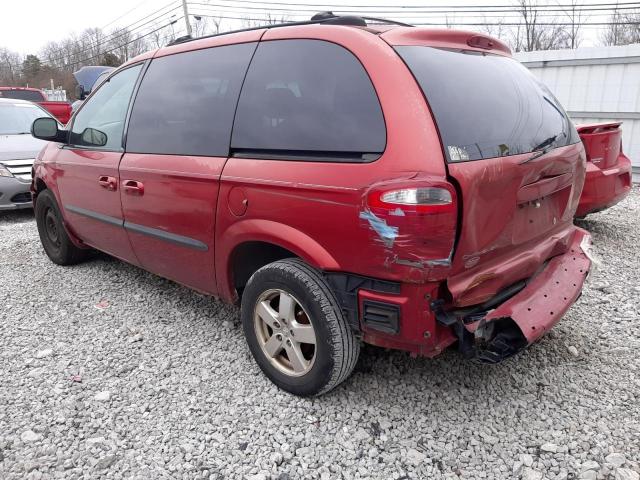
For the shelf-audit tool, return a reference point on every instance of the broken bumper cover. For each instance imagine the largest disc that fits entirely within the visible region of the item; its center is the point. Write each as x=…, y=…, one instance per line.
x=533, y=310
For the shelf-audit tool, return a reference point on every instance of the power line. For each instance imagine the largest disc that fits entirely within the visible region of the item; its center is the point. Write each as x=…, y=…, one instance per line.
x=268, y=5
x=119, y=33
x=396, y=14
x=124, y=14
x=399, y=9
x=84, y=60
x=253, y=19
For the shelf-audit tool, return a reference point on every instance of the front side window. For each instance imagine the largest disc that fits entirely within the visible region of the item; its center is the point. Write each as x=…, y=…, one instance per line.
x=487, y=105
x=100, y=122
x=185, y=103
x=308, y=98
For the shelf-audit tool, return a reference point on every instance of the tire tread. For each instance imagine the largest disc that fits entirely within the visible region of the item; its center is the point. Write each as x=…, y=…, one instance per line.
x=346, y=346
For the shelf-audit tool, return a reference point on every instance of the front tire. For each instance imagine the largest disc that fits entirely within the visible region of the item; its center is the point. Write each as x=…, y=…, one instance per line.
x=53, y=235
x=295, y=329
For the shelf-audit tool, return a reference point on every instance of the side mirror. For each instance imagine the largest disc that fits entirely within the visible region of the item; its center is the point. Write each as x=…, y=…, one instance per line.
x=45, y=128
x=91, y=136
x=80, y=93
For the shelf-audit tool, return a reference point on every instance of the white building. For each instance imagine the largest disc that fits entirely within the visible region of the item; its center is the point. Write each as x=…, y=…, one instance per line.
x=595, y=84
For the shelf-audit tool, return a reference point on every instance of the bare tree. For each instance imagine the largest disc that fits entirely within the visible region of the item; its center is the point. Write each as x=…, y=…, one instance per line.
x=94, y=42
x=576, y=18
x=205, y=26
x=497, y=30
x=536, y=35
x=160, y=37
x=623, y=28
x=126, y=44
x=10, y=67
x=269, y=19
x=449, y=22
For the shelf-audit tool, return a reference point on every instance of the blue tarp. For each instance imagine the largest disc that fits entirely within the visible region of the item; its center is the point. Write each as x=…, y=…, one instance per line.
x=87, y=76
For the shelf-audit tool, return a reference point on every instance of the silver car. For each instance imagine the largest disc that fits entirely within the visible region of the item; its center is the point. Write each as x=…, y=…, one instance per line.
x=18, y=150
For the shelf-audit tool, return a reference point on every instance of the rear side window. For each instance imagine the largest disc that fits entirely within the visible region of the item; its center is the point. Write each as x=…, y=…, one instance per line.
x=308, y=99
x=30, y=95
x=485, y=105
x=186, y=102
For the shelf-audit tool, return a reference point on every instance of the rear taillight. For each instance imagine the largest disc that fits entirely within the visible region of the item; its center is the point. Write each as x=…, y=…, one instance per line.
x=415, y=222
x=414, y=199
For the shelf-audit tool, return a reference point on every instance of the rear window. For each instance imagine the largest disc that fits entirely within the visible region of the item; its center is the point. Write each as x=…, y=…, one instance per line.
x=485, y=105
x=29, y=95
x=308, y=99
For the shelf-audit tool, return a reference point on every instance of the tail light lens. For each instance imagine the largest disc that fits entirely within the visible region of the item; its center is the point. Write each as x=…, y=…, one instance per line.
x=415, y=199
x=414, y=221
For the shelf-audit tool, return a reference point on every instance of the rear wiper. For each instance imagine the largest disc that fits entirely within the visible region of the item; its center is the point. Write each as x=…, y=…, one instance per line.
x=543, y=147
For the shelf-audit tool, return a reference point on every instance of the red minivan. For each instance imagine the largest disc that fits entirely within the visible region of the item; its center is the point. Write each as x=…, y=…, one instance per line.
x=608, y=177
x=343, y=182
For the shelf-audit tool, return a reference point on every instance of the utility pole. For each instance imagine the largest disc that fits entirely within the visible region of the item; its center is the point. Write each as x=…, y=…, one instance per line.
x=186, y=16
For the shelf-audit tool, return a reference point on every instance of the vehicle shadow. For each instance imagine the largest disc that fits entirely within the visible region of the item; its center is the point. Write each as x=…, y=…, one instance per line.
x=381, y=376
x=16, y=216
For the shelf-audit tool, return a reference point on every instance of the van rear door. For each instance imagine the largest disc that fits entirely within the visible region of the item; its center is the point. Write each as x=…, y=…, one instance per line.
x=515, y=158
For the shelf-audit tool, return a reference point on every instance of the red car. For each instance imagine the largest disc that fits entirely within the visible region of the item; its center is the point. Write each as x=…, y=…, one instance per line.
x=60, y=110
x=345, y=183
x=608, y=178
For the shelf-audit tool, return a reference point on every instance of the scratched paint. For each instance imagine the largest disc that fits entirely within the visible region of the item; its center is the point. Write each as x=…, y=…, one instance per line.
x=387, y=233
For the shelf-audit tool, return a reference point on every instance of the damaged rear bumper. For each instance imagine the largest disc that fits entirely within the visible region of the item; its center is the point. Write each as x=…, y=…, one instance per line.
x=603, y=188
x=494, y=331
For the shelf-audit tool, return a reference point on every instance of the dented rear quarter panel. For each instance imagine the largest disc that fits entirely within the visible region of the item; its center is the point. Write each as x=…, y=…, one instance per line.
x=326, y=202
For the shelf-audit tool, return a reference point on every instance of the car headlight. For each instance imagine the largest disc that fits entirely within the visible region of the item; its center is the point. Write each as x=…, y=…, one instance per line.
x=4, y=172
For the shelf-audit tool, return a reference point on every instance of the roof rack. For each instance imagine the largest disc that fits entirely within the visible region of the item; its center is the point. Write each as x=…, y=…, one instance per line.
x=328, y=18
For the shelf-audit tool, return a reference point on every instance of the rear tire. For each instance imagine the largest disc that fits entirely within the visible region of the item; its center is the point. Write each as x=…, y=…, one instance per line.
x=308, y=351
x=53, y=235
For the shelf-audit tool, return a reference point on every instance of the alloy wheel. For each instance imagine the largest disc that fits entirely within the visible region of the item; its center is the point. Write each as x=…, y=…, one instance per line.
x=285, y=332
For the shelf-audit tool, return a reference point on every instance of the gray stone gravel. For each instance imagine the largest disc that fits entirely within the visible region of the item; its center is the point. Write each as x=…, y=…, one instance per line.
x=108, y=371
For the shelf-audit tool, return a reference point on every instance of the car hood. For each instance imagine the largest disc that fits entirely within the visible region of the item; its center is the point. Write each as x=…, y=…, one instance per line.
x=17, y=147
x=88, y=75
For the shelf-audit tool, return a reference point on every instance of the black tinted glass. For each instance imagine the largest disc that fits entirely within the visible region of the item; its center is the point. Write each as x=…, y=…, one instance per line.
x=186, y=102
x=29, y=95
x=487, y=106
x=308, y=96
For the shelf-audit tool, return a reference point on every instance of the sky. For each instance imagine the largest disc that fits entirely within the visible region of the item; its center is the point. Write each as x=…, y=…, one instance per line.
x=27, y=25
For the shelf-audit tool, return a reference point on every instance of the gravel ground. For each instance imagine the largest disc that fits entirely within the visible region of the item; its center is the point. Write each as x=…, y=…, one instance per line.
x=108, y=371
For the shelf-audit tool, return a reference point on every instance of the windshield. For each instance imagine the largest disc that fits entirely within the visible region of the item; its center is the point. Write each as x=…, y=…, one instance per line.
x=487, y=106
x=16, y=118
x=30, y=95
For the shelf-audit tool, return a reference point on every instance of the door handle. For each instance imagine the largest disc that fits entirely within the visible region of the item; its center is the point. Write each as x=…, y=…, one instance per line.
x=110, y=183
x=133, y=187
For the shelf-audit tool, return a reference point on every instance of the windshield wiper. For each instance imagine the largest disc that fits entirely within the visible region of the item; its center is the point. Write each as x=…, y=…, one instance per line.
x=547, y=142
x=543, y=147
